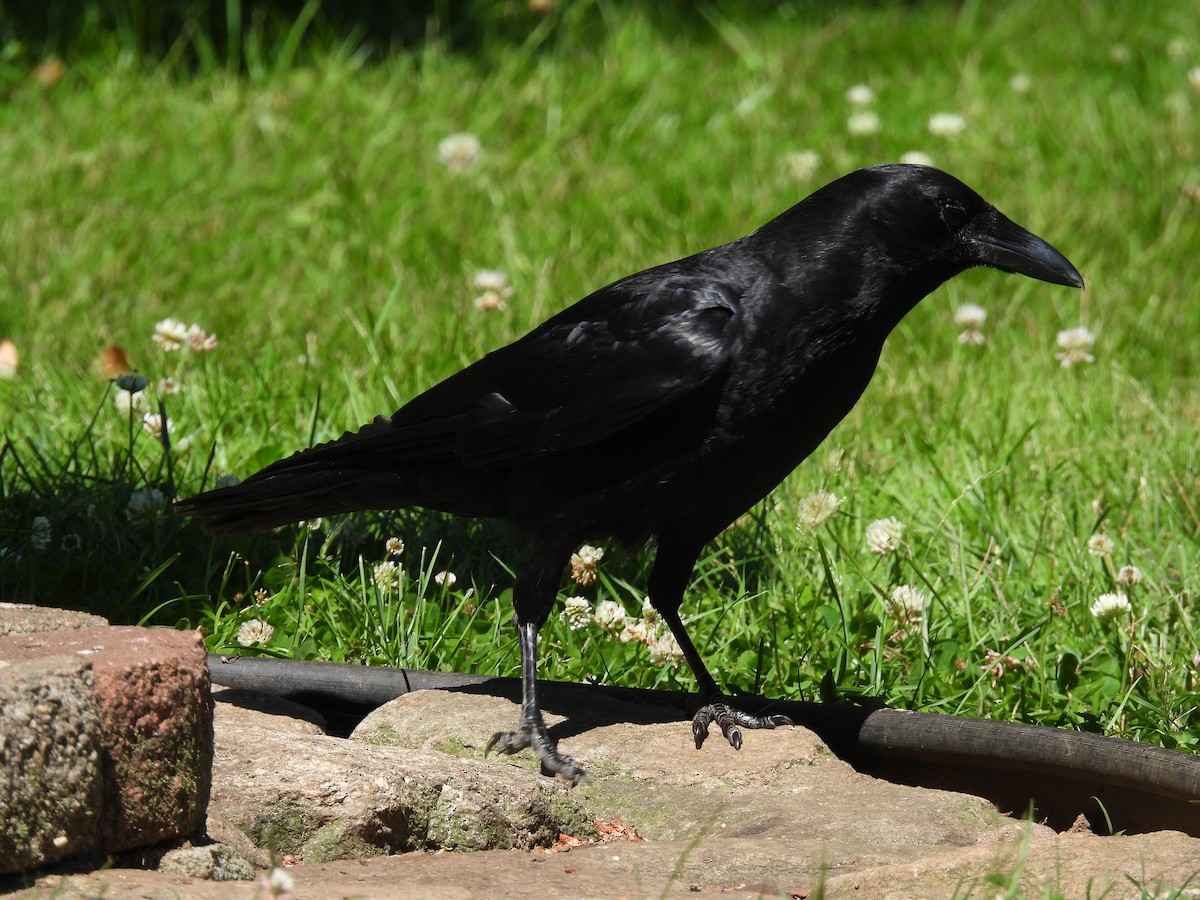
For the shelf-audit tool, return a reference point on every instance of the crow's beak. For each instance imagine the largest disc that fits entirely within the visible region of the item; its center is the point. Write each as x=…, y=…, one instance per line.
x=999, y=242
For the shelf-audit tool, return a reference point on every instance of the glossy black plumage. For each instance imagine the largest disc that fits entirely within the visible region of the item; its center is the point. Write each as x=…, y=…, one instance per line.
x=662, y=406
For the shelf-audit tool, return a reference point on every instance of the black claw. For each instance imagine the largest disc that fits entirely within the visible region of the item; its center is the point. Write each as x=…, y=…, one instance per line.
x=553, y=762
x=729, y=719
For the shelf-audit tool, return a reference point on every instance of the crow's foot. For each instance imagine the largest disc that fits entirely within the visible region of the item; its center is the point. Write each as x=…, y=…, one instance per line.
x=535, y=736
x=730, y=720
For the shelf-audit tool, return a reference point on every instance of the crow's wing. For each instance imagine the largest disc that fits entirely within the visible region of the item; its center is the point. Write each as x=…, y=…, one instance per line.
x=610, y=360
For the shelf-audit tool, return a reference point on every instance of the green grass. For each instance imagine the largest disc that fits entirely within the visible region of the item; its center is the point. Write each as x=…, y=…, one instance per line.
x=298, y=209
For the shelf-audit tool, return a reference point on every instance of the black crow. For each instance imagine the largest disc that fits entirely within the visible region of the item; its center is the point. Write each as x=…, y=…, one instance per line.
x=660, y=407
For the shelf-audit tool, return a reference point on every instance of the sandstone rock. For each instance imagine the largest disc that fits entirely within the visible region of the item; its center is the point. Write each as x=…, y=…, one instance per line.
x=24, y=618
x=212, y=862
x=151, y=691
x=50, y=768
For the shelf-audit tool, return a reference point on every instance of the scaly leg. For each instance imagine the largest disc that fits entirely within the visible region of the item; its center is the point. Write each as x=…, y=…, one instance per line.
x=668, y=579
x=533, y=596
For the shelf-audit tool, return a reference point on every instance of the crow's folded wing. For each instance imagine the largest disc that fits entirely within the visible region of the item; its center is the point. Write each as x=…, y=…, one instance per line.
x=594, y=369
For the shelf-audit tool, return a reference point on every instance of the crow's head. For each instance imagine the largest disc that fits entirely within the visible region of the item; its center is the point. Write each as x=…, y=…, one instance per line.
x=925, y=217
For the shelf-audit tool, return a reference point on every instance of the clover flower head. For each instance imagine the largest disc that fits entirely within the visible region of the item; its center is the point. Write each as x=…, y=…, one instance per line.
x=1075, y=344
x=637, y=630
x=577, y=612
x=665, y=650
x=946, y=124
x=610, y=616
x=1111, y=606
x=860, y=95
x=907, y=603
x=386, y=575
x=1129, y=575
x=144, y=505
x=1100, y=544
x=255, y=631
x=803, y=164
x=816, y=509
x=863, y=123
x=39, y=533
x=649, y=614
x=155, y=424
x=885, y=535
x=584, y=564
x=459, y=152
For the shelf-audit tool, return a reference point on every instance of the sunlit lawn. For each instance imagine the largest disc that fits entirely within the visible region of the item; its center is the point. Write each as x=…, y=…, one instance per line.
x=303, y=215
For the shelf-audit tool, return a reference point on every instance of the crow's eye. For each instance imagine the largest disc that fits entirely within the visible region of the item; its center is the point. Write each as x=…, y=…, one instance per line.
x=954, y=215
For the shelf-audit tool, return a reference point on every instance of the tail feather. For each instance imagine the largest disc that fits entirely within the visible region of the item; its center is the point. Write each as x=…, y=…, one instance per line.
x=378, y=467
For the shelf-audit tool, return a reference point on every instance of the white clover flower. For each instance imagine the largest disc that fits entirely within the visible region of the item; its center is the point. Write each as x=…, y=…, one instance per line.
x=394, y=546
x=170, y=334
x=637, y=631
x=803, y=164
x=577, y=612
x=490, y=301
x=863, y=123
x=649, y=614
x=154, y=424
x=261, y=596
x=1075, y=344
x=445, y=579
x=169, y=386
x=916, y=158
x=1100, y=545
x=610, y=616
x=885, y=535
x=459, y=152
x=816, y=509
x=665, y=650
x=970, y=316
x=39, y=533
x=254, y=631
x=996, y=665
x=128, y=401
x=946, y=125
x=144, y=505
x=72, y=542
x=1129, y=575
x=386, y=575
x=198, y=340
x=1020, y=83
x=860, y=95
x=492, y=280
x=495, y=287
x=907, y=603
x=1110, y=606
x=584, y=562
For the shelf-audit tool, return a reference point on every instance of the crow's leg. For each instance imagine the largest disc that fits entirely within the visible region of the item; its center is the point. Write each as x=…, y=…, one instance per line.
x=672, y=569
x=533, y=597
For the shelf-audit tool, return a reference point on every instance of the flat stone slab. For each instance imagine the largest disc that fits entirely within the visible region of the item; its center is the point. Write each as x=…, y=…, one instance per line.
x=781, y=817
x=24, y=618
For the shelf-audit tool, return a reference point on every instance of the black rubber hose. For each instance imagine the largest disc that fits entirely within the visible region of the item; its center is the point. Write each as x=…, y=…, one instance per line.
x=1115, y=784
